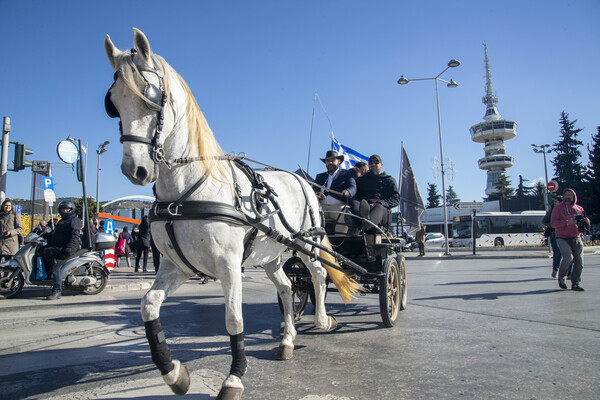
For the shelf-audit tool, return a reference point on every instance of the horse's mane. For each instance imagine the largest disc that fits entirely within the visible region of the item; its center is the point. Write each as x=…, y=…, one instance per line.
x=201, y=138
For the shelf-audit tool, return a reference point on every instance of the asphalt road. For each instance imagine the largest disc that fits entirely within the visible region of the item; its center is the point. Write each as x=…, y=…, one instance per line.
x=474, y=329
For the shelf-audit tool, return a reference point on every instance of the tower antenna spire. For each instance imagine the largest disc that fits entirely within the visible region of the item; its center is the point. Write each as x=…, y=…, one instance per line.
x=489, y=99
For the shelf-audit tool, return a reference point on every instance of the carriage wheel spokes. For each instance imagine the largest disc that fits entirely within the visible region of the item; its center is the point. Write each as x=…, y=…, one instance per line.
x=295, y=270
x=389, y=292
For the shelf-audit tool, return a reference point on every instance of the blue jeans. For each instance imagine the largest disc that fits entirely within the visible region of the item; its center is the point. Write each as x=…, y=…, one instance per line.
x=556, y=256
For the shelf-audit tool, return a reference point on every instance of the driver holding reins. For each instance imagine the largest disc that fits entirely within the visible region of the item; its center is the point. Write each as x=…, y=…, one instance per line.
x=63, y=242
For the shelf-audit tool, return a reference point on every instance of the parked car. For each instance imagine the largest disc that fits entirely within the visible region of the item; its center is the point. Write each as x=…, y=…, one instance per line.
x=435, y=240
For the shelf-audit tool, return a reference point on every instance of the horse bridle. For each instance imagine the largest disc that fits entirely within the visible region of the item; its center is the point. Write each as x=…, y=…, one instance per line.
x=157, y=98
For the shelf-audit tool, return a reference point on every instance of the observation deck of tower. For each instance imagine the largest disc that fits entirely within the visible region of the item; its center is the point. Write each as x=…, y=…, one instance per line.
x=493, y=132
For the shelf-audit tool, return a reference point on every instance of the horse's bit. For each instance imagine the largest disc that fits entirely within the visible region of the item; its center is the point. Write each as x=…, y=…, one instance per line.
x=157, y=98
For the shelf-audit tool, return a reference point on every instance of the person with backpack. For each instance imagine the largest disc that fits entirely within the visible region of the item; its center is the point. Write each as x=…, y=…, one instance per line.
x=122, y=247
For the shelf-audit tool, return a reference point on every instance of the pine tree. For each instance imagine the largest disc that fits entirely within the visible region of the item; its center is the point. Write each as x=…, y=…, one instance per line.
x=504, y=190
x=567, y=167
x=592, y=180
x=433, y=197
x=451, y=196
x=539, y=189
x=522, y=190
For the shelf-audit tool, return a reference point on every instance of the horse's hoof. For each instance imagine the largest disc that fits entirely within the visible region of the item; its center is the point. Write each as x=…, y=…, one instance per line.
x=182, y=385
x=332, y=323
x=230, y=393
x=285, y=352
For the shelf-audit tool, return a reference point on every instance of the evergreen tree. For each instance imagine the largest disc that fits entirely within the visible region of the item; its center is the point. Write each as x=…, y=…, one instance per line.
x=451, y=196
x=539, y=189
x=433, y=197
x=567, y=167
x=504, y=190
x=592, y=180
x=91, y=207
x=522, y=190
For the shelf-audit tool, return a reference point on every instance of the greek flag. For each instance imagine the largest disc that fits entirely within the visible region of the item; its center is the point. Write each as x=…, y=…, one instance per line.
x=351, y=156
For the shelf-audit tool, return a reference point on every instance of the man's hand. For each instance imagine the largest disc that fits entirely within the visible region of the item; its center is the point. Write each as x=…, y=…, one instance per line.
x=320, y=196
x=346, y=193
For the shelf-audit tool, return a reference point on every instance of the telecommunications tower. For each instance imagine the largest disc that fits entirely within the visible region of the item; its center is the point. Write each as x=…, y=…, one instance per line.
x=493, y=132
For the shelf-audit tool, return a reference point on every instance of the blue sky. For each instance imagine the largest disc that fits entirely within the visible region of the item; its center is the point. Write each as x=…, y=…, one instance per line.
x=255, y=66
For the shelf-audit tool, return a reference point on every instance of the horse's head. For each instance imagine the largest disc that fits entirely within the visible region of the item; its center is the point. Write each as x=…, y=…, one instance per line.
x=139, y=98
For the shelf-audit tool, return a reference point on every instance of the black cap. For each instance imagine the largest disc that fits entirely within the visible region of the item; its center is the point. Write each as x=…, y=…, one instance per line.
x=375, y=157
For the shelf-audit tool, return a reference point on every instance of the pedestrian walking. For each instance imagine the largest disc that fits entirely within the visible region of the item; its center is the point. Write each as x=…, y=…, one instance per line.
x=142, y=245
x=122, y=247
x=155, y=253
x=420, y=239
x=569, y=221
x=10, y=229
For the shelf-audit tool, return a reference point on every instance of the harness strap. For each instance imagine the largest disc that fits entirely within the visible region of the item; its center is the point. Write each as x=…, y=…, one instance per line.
x=171, y=233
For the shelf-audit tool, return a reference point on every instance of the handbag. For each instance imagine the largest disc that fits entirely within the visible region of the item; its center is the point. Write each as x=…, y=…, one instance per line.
x=120, y=247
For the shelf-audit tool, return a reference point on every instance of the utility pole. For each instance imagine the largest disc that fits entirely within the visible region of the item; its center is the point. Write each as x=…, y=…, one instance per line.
x=4, y=160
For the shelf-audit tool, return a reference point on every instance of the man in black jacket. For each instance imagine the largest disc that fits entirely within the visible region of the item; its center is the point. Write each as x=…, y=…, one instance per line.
x=376, y=194
x=63, y=242
x=339, y=180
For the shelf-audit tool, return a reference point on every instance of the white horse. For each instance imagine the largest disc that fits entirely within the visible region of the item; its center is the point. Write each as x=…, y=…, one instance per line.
x=210, y=216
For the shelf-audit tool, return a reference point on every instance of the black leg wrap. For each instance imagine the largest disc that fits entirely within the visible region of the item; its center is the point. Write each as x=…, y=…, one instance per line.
x=238, y=363
x=161, y=355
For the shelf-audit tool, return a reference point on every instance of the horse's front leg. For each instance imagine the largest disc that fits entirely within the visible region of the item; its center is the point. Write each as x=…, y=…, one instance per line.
x=168, y=279
x=231, y=281
x=284, y=289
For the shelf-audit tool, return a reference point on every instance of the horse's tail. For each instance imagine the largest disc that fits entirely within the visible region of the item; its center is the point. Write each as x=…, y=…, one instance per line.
x=346, y=286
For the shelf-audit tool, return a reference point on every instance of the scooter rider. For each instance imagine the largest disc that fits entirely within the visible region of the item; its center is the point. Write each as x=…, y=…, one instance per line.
x=63, y=242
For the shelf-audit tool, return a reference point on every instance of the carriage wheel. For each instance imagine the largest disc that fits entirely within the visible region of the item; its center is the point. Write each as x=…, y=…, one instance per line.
x=390, y=292
x=403, y=284
x=300, y=286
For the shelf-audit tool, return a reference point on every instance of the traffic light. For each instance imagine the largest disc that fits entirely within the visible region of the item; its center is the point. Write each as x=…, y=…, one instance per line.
x=19, y=161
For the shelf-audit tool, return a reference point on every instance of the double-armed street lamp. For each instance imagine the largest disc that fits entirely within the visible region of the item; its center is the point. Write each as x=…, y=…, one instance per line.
x=100, y=151
x=452, y=84
x=544, y=149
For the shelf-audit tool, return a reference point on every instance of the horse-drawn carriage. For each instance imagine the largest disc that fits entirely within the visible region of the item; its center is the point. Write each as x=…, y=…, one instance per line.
x=374, y=260
x=213, y=215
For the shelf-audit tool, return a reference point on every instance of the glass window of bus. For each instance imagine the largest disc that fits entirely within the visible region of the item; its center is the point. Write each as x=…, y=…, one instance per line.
x=483, y=226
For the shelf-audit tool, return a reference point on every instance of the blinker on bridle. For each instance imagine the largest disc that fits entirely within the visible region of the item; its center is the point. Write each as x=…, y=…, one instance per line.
x=157, y=98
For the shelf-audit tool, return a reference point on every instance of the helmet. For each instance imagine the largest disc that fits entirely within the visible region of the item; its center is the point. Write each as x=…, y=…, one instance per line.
x=66, y=204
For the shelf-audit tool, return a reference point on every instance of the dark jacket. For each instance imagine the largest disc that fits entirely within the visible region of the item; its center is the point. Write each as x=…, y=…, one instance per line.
x=380, y=189
x=127, y=236
x=143, y=239
x=66, y=234
x=343, y=181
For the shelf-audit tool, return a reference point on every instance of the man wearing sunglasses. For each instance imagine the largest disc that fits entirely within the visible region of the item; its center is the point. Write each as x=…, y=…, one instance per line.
x=376, y=194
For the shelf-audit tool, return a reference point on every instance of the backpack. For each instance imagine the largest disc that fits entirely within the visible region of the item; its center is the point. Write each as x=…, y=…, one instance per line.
x=120, y=246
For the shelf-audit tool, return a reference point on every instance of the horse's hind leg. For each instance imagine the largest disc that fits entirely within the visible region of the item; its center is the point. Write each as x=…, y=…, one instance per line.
x=168, y=279
x=284, y=289
x=319, y=276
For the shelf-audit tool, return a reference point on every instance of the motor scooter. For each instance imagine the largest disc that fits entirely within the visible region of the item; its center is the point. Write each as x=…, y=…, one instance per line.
x=84, y=271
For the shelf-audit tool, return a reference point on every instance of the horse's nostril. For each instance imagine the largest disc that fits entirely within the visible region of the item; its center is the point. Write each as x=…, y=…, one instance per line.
x=141, y=173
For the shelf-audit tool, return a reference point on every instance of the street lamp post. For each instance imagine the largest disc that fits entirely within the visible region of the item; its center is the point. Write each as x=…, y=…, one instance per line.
x=101, y=150
x=452, y=84
x=543, y=148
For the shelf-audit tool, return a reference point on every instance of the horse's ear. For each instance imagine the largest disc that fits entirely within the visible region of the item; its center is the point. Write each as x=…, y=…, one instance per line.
x=111, y=51
x=142, y=45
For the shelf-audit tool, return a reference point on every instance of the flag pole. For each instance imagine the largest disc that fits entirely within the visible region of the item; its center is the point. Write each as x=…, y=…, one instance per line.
x=312, y=121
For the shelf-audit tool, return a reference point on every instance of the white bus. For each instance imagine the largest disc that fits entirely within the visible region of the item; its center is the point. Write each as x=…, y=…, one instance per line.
x=496, y=229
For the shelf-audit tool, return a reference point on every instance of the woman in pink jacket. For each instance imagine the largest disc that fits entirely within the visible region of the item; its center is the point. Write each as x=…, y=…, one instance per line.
x=567, y=220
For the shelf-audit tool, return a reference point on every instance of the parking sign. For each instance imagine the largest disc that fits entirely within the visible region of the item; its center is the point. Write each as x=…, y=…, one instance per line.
x=48, y=183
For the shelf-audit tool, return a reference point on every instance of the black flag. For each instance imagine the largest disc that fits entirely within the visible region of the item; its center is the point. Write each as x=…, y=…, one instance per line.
x=411, y=203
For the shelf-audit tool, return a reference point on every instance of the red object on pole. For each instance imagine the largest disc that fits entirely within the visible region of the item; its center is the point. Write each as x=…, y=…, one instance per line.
x=552, y=186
